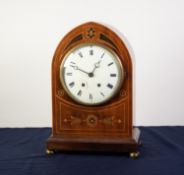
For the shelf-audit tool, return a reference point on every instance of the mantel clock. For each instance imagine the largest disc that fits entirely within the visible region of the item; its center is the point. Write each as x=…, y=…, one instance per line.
x=92, y=93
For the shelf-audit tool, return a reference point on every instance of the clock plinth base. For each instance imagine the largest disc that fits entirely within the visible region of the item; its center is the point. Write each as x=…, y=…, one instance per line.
x=128, y=144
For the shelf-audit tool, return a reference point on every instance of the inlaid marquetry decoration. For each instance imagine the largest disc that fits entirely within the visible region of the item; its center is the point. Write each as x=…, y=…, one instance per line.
x=91, y=121
x=91, y=33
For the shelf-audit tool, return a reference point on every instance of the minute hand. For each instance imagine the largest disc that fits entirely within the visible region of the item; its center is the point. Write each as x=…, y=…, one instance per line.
x=77, y=68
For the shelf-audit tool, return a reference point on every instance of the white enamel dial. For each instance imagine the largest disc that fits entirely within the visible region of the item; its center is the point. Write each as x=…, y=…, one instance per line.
x=91, y=74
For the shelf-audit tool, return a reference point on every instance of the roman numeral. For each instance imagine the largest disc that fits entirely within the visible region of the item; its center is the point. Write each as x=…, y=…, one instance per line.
x=90, y=97
x=102, y=94
x=110, y=64
x=79, y=93
x=91, y=52
x=102, y=55
x=69, y=73
x=80, y=54
x=113, y=75
x=72, y=62
x=71, y=84
x=109, y=85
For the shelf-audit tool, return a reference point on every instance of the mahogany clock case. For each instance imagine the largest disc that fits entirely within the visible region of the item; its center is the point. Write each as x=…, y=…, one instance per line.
x=105, y=127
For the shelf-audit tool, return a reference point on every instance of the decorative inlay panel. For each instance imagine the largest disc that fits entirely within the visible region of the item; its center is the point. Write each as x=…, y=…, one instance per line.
x=90, y=121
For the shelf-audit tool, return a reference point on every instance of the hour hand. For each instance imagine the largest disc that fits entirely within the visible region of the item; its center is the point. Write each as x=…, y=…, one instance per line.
x=96, y=65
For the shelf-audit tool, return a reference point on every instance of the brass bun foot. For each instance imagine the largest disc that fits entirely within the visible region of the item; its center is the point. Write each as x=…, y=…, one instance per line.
x=49, y=152
x=134, y=155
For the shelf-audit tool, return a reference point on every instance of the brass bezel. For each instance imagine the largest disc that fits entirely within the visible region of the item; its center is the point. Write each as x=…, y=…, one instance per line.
x=120, y=71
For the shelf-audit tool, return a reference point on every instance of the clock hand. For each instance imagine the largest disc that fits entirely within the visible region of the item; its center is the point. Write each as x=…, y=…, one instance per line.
x=77, y=68
x=97, y=65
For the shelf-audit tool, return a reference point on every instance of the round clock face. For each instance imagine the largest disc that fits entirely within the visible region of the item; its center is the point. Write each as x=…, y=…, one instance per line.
x=91, y=74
